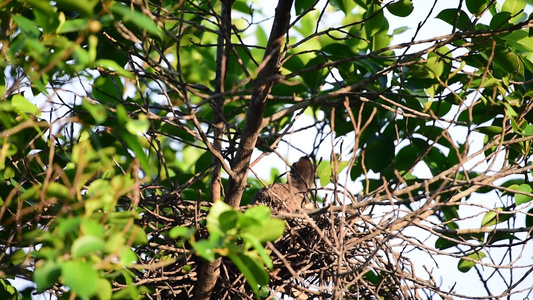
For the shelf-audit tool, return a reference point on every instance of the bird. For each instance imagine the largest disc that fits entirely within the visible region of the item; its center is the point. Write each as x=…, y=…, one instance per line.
x=292, y=196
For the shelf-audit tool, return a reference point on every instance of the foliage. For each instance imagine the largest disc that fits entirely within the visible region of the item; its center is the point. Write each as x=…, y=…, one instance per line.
x=124, y=124
x=238, y=236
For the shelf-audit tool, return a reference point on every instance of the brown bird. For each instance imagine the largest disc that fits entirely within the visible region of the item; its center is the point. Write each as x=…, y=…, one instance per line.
x=291, y=196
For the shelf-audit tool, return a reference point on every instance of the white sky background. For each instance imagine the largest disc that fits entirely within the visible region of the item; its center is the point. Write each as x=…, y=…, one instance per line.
x=465, y=283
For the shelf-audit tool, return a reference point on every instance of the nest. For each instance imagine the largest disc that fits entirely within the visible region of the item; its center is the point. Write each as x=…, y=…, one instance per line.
x=328, y=254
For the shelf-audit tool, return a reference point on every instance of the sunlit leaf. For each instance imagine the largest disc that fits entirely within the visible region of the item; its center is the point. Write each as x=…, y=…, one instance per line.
x=80, y=277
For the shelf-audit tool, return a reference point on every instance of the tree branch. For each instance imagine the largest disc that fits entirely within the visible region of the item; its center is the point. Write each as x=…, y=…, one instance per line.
x=256, y=109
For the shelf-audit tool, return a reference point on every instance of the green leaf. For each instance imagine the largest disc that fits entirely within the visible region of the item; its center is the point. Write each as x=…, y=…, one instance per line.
x=68, y=225
x=375, y=20
x=490, y=83
x=465, y=265
x=213, y=217
x=489, y=130
x=9, y=292
x=127, y=256
x=529, y=218
x=528, y=130
x=85, y=245
x=476, y=6
x=519, y=198
x=57, y=190
x=139, y=236
x=27, y=26
x=139, y=126
x=46, y=18
x=268, y=230
x=442, y=243
x=46, y=275
x=182, y=232
x=401, y=8
x=142, y=21
x=345, y=5
x=75, y=25
x=80, y=277
x=97, y=111
x=372, y=277
x=514, y=6
x=315, y=79
x=206, y=248
x=379, y=153
x=18, y=257
x=85, y=7
x=500, y=236
x=258, y=212
x=500, y=20
x=494, y=217
x=112, y=65
x=104, y=290
x=256, y=244
x=302, y=5
x=324, y=171
x=21, y=104
x=400, y=30
x=252, y=270
x=228, y=220
x=92, y=227
x=451, y=15
x=132, y=141
x=41, y=6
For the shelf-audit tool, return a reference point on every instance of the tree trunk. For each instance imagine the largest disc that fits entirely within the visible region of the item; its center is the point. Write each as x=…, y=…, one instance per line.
x=210, y=270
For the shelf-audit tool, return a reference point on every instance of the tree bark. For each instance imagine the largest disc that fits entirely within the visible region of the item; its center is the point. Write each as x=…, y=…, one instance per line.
x=210, y=271
x=256, y=109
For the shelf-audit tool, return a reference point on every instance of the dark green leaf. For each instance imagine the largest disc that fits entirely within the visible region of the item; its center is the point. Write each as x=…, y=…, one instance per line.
x=529, y=218
x=401, y=8
x=86, y=7
x=379, y=153
x=476, y=6
x=302, y=5
x=465, y=265
x=489, y=130
x=442, y=243
x=500, y=20
x=455, y=17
